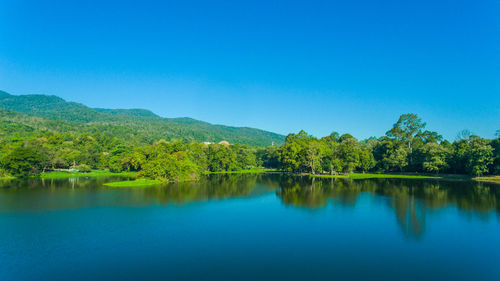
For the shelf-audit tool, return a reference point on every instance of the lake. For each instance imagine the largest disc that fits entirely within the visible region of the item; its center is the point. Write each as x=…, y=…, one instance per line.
x=250, y=227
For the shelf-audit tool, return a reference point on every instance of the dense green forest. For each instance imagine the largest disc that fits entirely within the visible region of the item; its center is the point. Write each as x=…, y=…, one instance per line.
x=136, y=126
x=407, y=147
x=37, y=136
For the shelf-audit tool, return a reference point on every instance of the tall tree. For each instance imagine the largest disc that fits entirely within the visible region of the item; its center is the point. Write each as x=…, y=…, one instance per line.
x=293, y=152
x=496, y=154
x=313, y=155
x=460, y=154
x=349, y=151
x=480, y=156
x=406, y=129
x=366, y=160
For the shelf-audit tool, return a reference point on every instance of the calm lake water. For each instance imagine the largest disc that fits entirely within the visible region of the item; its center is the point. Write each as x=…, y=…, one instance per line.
x=250, y=227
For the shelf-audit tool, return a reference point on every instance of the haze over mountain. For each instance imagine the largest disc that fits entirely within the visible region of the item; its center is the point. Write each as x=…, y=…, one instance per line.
x=137, y=125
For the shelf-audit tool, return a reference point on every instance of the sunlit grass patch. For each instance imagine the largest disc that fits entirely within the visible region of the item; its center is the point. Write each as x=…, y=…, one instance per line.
x=76, y=174
x=133, y=183
x=379, y=176
x=495, y=179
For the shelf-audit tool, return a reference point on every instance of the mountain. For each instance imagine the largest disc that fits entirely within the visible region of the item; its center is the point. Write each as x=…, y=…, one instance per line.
x=43, y=112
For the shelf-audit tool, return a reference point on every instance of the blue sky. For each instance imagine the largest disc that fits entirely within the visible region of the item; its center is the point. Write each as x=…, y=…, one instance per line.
x=323, y=66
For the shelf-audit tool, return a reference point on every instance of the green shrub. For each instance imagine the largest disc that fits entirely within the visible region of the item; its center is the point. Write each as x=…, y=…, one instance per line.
x=23, y=162
x=83, y=168
x=4, y=173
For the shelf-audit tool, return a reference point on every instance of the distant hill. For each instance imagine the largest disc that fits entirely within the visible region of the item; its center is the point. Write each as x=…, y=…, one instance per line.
x=42, y=112
x=128, y=112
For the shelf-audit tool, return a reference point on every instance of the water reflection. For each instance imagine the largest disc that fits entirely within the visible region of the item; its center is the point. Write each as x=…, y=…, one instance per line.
x=39, y=194
x=412, y=201
x=214, y=187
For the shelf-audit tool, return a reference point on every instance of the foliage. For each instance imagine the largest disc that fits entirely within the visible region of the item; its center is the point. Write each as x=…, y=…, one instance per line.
x=480, y=156
x=406, y=129
x=406, y=148
x=396, y=158
x=170, y=167
x=84, y=168
x=23, y=161
x=32, y=145
x=4, y=174
x=95, y=173
x=434, y=157
x=495, y=144
x=26, y=113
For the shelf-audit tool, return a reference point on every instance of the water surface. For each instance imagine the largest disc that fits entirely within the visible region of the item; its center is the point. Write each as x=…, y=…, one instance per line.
x=250, y=227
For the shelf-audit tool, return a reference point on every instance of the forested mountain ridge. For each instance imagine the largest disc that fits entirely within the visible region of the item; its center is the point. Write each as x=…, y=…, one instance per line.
x=128, y=112
x=139, y=126
x=135, y=140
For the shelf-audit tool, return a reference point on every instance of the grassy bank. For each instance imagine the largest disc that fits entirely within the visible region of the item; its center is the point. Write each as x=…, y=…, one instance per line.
x=494, y=179
x=144, y=182
x=378, y=176
x=94, y=173
x=148, y=182
x=250, y=171
x=133, y=183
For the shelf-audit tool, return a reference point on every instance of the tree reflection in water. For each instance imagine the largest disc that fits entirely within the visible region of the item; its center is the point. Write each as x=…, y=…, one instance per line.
x=213, y=187
x=411, y=200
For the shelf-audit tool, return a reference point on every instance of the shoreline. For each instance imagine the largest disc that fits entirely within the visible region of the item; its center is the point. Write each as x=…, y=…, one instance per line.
x=352, y=176
x=93, y=173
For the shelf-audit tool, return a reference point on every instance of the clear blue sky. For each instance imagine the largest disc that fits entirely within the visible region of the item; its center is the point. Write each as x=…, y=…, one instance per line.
x=346, y=66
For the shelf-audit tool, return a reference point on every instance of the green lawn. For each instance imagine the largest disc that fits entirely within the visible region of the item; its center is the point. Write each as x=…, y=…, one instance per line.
x=495, y=179
x=380, y=176
x=250, y=171
x=133, y=183
x=94, y=173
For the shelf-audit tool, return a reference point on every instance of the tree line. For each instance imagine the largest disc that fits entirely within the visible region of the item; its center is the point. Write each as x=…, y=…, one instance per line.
x=406, y=147
x=170, y=161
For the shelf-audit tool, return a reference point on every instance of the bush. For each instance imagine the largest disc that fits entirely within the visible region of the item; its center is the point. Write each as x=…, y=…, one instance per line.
x=23, y=162
x=115, y=164
x=170, y=167
x=83, y=168
x=4, y=173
